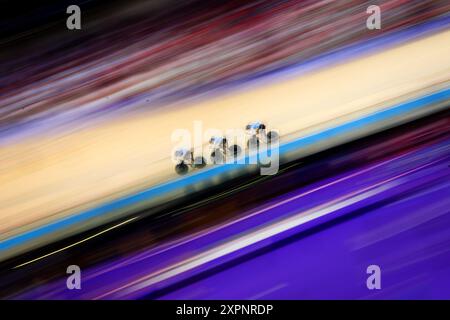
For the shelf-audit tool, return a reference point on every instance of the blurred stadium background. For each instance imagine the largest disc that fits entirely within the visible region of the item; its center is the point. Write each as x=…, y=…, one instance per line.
x=86, y=118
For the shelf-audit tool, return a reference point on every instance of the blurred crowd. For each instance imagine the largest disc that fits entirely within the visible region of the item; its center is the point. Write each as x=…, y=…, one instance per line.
x=152, y=62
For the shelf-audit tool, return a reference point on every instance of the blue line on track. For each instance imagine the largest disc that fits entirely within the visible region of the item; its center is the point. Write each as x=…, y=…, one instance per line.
x=162, y=189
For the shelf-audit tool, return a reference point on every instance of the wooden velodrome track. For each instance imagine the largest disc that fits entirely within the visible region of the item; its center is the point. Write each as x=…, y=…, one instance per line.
x=44, y=178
